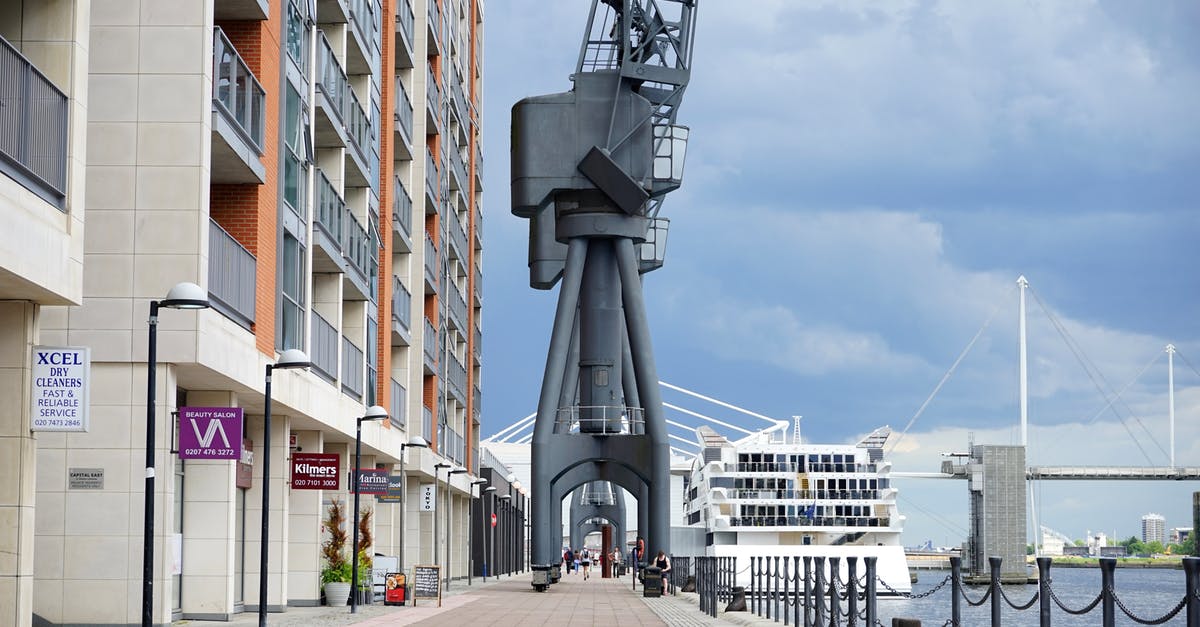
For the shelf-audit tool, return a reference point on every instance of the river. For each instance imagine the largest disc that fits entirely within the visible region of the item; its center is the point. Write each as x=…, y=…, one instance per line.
x=1148, y=593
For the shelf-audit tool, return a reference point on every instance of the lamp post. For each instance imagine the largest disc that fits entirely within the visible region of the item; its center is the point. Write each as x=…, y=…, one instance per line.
x=182, y=296
x=450, y=519
x=436, y=506
x=417, y=442
x=507, y=500
x=290, y=358
x=374, y=412
x=513, y=549
x=489, y=537
x=471, y=529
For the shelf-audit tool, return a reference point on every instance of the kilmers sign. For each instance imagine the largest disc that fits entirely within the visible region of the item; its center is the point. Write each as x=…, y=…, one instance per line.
x=315, y=471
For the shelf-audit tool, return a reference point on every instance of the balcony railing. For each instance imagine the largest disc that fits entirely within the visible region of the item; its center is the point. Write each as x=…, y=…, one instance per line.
x=435, y=22
x=456, y=376
x=365, y=15
x=459, y=169
x=231, y=272
x=331, y=210
x=430, y=341
x=433, y=95
x=404, y=15
x=458, y=306
x=402, y=208
x=357, y=246
x=331, y=78
x=431, y=178
x=432, y=261
x=324, y=347
x=33, y=126
x=401, y=303
x=352, y=368
x=236, y=92
x=427, y=424
x=404, y=109
x=398, y=405
x=457, y=232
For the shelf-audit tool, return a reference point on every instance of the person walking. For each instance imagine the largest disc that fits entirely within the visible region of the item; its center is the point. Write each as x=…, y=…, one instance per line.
x=569, y=561
x=586, y=560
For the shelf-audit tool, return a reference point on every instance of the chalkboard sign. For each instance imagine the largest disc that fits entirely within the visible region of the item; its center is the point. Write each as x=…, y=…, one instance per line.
x=427, y=583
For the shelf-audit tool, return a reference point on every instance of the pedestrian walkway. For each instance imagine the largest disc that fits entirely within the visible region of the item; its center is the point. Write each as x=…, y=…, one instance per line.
x=511, y=602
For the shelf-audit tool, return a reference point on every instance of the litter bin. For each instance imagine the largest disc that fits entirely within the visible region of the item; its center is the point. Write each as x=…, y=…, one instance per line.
x=652, y=582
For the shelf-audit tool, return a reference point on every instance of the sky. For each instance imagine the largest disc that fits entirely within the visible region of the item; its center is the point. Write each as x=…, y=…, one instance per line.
x=864, y=184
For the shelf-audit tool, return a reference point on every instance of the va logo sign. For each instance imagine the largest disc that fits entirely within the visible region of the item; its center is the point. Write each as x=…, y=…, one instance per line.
x=210, y=432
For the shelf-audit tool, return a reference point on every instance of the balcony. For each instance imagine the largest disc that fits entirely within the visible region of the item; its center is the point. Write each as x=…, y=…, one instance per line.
x=432, y=185
x=33, y=128
x=357, y=249
x=458, y=236
x=401, y=312
x=324, y=347
x=332, y=12
x=404, y=122
x=427, y=424
x=362, y=57
x=241, y=10
x=405, y=31
x=433, y=265
x=434, y=47
x=458, y=178
x=456, y=377
x=237, y=117
x=478, y=166
x=458, y=306
x=478, y=224
x=429, y=343
x=343, y=122
x=231, y=276
x=399, y=405
x=433, y=103
x=402, y=216
x=352, y=369
x=478, y=287
x=330, y=226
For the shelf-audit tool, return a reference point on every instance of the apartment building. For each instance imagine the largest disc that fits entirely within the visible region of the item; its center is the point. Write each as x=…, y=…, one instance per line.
x=314, y=166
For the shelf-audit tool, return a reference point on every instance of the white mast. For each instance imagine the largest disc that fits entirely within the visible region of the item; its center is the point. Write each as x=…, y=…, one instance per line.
x=1022, y=383
x=1171, y=396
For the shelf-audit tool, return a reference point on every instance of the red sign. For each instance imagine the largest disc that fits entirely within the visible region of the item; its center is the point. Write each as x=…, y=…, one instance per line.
x=493, y=520
x=315, y=471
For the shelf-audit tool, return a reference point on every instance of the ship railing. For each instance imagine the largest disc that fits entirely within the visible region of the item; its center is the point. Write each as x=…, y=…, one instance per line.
x=786, y=467
x=600, y=420
x=838, y=495
x=806, y=521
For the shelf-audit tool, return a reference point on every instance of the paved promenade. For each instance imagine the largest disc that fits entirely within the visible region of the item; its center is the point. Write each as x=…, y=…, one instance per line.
x=511, y=601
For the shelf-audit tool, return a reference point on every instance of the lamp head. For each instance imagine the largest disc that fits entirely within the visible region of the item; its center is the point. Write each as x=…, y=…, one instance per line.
x=374, y=412
x=292, y=358
x=185, y=296
x=504, y=497
x=490, y=488
x=517, y=486
x=511, y=477
x=416, y=441
x=457, y=471
x=441, y=465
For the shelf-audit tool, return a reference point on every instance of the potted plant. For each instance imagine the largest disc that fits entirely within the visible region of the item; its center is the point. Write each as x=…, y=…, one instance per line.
x=335, y=576
x=365, y=587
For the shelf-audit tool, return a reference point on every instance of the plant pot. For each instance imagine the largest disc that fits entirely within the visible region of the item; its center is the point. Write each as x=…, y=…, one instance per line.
x=337, y=593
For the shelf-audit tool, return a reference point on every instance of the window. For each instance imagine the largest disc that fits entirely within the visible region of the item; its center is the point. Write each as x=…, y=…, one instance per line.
x=291, y=287
x=297, y=36
x=296, y=152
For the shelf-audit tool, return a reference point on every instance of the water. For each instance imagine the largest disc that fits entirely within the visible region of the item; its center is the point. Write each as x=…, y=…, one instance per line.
x=1148, y=593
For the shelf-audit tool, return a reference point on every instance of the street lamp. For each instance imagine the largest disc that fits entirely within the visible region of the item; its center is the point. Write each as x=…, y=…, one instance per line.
x=374, y=412
x=450, y=520
x=489, y=540
x=471, y=529
x=290, y=358
x=514, y=549
x=182, y=296
x=417, y=442
x=437, y=506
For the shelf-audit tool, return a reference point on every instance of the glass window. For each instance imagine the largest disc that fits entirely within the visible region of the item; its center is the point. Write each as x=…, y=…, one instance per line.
x=291, y=286
x=297, y=36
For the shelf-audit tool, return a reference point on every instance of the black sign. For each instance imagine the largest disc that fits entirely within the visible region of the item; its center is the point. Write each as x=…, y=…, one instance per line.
x=395, y=491
x=427, y=583
x=372, y=481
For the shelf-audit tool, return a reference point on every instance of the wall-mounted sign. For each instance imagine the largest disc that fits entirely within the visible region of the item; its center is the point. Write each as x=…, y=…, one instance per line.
x=210, y=432
x=85, y=478
x=244, y=475
x=315, y=471
x=372, y=481
x=395, y=491
x=61, y=380
x=428, y=497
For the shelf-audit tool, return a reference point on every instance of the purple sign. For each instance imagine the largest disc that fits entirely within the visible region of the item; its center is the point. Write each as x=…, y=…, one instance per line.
x=210, y=432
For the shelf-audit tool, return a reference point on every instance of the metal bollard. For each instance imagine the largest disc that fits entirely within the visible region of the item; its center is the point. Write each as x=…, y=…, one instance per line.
x=787, y=600
x=956, y=592
x=994, y=564
x=852, y=590
x=1043, y=564
x=776, y=578
x=834, y=603
x=1107, y=567
x=819, y=597
x=1191, y=570
x=871, y=591
x=807, y=590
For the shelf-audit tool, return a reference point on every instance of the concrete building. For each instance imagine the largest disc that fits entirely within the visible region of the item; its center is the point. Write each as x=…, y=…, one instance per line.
x=314, y=165
x=1154, y=528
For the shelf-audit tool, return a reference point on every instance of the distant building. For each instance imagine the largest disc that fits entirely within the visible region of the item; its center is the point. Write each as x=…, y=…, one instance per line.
x=1096, y=541
x=1113, y=551
x=1052, y=545
x=1154, y=528
x=1179, y=534
x=1078, y=551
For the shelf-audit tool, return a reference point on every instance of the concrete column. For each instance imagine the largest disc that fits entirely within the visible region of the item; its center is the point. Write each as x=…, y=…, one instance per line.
x=18, y=463
x=304, y=532
x=1195, y=523
x=209, y=528
x=277, y=555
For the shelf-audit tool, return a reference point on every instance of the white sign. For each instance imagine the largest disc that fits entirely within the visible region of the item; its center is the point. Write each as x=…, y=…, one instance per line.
x=61, y=380
x=428, y=497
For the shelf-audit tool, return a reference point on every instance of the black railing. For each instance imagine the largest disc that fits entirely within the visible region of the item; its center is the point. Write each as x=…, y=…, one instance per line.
x=33, y=126
x=817, y=591
x=231, y=276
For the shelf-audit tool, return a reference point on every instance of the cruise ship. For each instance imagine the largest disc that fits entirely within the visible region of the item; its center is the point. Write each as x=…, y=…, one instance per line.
x=766, y=494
